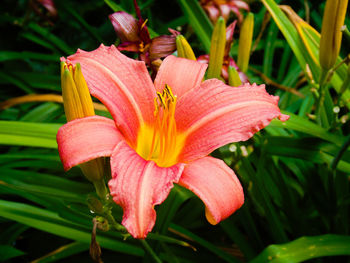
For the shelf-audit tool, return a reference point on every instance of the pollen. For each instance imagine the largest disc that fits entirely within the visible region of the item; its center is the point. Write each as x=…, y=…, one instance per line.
x=161, y=141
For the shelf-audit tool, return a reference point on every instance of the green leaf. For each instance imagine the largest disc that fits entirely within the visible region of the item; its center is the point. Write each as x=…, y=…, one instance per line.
x=305, y=248
x=24, y=55
x=8, y=252
x=28, y=134
x=45, y=112
x=310, y=149
x=44, y=185
x=300, y=124
x=238, y=238
x=305, y=45
x=198, y=20
x=82, y=22
x=50, y=37
x=50, y=222
x=14, y=81
x=220, y=253
x=63, y=252
x=115, y=7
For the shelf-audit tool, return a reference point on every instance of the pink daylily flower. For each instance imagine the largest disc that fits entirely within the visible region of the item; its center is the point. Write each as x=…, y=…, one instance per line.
x=163, y=132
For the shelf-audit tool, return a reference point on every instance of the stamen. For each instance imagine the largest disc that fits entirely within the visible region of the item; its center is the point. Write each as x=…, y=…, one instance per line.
x=164, y=131
x=144, y=23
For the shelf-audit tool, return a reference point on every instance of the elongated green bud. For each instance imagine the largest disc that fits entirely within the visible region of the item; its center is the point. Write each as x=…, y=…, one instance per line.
x=71, y=100
x=233, y=77
x=245, y=42
x=78, y=104
x=184, y=49
x=217, y=49
x=331, y=34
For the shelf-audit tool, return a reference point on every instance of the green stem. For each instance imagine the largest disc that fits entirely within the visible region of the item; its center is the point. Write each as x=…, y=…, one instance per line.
x=320, y=111
x=114, y=223
x=346, y=83
x=150, y=251
x=101, y=189
x=346, y=32
x=323, y=77
x=342, y=150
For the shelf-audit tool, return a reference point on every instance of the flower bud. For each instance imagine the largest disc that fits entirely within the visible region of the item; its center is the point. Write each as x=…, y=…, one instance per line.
x=125, y=25
x=71, y=100
x=217, y=49
x=233, y=77
x=78, y=104
x=331, y=34
x=184, y=49
x=245, y=42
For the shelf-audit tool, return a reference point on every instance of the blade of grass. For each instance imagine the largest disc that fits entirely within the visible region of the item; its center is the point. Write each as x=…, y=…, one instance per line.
x=28, y=134
x=305, y=248
x=14, y=81
x=220, y=253
x=63, y=252
x=49, y=222
x=82, y=22
x=295, y=41
x=46, y=34
x=297, y=123
x=7, y=252
x=24, y=55
x=198, y=20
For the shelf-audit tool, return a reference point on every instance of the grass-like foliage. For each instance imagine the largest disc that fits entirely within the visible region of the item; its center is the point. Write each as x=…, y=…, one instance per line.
x=295, y=174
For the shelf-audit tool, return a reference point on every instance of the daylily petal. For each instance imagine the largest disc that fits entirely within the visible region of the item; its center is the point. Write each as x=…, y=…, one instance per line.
x=137, y=186
x=225, y=11
x=122, y=84
x=203, y=59
x=213, y=12
x=229, y=37
x=129, y=46
x=84, y=139
x=125, y=25
x=216, y=114
x=216, y=184
x=240, y=4
x=180, y=74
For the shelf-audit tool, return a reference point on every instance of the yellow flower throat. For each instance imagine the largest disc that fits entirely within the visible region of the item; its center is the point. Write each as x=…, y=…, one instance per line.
x=160, y=142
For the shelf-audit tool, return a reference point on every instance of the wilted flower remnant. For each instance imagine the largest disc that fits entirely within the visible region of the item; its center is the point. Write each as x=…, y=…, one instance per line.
x=135, y=37
x=162, y=132
x=217, y=8
x=45, y=9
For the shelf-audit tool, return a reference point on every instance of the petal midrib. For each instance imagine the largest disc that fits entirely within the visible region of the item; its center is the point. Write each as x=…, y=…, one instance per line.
x=219, y=112
x=120, y=84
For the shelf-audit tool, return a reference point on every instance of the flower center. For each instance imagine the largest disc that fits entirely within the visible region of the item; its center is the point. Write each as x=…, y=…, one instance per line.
x=161, y=142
